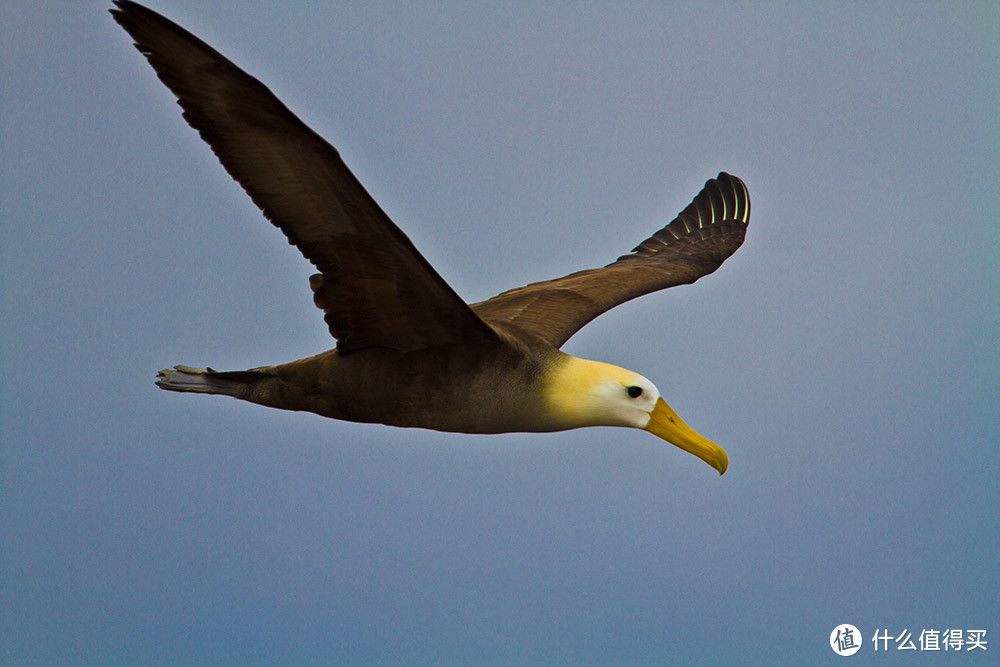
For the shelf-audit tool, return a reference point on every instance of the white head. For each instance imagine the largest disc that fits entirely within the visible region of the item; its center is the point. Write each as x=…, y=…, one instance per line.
x=591, y=393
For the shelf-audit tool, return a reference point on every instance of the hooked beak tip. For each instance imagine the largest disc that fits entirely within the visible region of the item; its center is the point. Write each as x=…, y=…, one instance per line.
x=664, y=423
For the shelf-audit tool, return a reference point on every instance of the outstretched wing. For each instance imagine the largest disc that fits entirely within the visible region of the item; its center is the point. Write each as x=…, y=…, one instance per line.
x=375, y=287
x=694, y=244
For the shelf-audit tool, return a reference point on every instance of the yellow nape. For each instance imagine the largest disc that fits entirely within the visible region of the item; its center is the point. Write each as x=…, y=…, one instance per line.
x=581, y=392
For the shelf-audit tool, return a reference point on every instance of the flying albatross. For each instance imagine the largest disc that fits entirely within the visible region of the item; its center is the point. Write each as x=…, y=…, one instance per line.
x=410, y=351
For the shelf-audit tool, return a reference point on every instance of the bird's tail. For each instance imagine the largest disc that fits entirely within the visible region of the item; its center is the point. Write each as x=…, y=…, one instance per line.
x=208, y=381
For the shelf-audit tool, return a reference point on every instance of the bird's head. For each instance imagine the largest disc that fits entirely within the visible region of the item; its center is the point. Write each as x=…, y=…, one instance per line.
x=591, y=393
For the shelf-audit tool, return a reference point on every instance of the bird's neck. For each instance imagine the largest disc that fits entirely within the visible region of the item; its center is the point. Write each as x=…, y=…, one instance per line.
x=571, y=391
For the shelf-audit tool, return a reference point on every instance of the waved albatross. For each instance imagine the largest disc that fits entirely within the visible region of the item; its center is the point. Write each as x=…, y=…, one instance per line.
x=410, y=351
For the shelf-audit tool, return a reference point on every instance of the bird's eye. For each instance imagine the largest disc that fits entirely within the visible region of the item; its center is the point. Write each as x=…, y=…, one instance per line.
x=634, y=392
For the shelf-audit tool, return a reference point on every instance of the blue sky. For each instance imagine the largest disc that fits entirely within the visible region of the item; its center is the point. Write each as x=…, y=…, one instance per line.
x=846, y=357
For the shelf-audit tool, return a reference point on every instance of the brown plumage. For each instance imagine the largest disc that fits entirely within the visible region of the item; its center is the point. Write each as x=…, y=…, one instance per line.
x=410, y=351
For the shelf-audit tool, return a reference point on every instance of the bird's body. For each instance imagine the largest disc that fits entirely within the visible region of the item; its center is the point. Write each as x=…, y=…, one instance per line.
x=386, y=386
x=410, y=352
x=495, y=388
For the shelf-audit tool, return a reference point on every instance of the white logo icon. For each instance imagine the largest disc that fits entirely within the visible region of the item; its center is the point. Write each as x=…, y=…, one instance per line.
x=845, y=639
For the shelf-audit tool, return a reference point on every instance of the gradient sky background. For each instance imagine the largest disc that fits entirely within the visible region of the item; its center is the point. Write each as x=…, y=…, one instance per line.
x=846, y=356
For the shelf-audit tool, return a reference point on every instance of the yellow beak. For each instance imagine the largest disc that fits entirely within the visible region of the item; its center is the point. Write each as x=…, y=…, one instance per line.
x=664, y=423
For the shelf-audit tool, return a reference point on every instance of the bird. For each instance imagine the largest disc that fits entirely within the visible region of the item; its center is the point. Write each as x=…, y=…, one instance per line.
x=410, y=352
